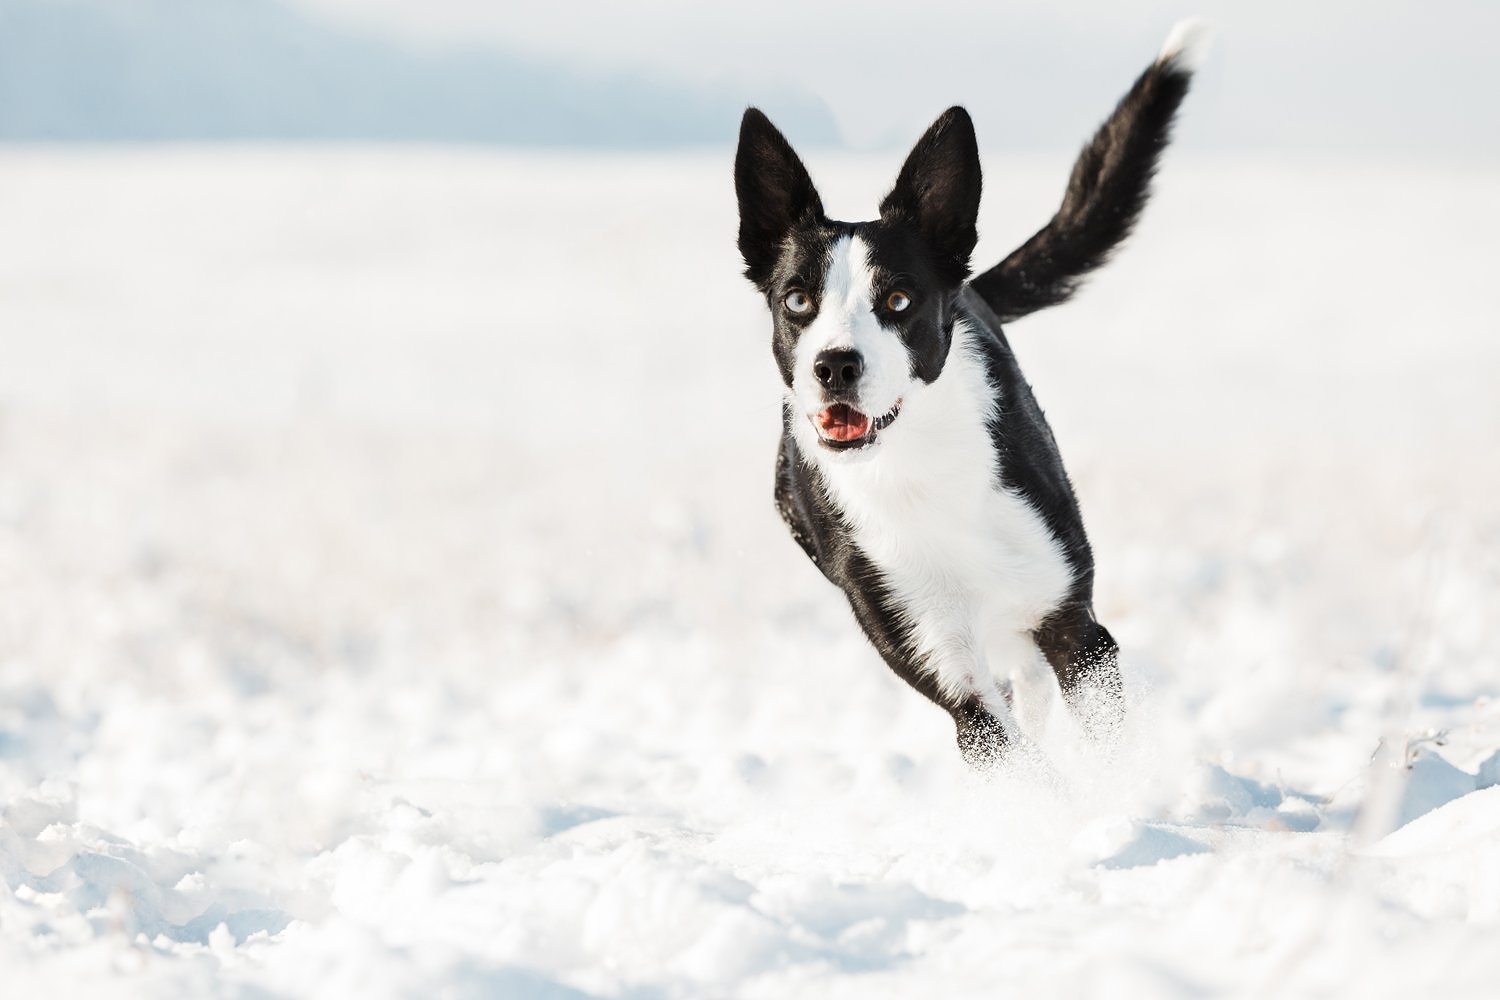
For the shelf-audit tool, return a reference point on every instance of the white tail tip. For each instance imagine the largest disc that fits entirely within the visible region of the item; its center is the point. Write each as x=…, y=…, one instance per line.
x=1187, y=45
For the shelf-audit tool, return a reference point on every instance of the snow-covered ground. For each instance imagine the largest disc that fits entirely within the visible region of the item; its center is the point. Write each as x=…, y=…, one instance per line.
x=391, y=603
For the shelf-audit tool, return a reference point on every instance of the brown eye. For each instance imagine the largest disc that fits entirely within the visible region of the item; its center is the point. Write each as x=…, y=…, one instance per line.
x=898, y=302
x=797, y=301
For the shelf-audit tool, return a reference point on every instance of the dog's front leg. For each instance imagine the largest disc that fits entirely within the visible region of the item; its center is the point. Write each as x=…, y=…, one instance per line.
x=1085, y=659
x=982, y=737
x=949, y=672
x=987, y=731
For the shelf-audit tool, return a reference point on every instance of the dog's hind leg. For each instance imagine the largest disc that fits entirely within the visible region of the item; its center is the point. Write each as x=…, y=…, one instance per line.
x=1085, y=658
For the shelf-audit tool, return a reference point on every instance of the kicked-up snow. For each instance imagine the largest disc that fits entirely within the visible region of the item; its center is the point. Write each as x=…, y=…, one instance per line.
x=392, y=604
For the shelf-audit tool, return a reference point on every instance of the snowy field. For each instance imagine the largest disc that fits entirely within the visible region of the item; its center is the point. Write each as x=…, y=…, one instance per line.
x=392, y=605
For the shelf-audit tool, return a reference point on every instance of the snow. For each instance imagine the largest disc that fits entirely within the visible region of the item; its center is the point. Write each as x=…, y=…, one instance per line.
x=391, y=603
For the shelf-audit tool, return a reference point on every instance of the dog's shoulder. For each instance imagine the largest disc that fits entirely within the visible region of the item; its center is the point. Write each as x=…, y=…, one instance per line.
x=815, y=521
x=1030, y=464
x=793, y=500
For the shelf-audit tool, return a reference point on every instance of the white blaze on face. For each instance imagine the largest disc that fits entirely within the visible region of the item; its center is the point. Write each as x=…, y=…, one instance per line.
x=846, y=321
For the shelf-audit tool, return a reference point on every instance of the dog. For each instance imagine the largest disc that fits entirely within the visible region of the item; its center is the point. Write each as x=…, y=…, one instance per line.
x=916, y=469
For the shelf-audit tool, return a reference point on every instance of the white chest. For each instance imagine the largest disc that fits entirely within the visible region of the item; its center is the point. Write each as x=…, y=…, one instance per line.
x=968, y=564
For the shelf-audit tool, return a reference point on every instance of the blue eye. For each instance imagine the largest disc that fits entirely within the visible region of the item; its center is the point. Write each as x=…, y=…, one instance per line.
x=898, y=302
x=797, y=301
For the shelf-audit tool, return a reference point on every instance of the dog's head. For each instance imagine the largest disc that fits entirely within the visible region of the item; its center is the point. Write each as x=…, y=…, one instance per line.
x=862, y=312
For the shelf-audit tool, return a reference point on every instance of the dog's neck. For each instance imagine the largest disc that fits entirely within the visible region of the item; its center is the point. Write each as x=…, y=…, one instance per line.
x=937, y=458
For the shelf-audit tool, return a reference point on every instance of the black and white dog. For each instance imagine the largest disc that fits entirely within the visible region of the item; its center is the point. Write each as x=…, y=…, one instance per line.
x=916, y=469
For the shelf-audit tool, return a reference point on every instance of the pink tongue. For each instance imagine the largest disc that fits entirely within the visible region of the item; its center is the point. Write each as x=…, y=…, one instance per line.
x=842, y=422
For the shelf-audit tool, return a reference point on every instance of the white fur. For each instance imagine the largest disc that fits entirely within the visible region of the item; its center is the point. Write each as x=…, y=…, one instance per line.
x=1187, y=45
x=971, y=566
x=846, y=319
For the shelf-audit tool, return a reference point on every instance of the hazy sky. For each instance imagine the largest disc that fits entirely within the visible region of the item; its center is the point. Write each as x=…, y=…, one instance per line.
x=1399, y=78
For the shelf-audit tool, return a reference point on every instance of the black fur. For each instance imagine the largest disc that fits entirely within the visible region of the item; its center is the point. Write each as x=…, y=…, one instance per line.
x=774, y=190
x=922, y=243
x=786, y=239
x=938, y=191
x=1109, y=186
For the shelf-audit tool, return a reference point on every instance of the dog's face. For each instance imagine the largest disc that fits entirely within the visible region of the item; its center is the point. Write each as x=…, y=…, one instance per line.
x=862, y=312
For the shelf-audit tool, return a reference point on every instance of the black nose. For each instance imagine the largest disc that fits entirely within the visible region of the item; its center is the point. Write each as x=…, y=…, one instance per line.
x=838, y=370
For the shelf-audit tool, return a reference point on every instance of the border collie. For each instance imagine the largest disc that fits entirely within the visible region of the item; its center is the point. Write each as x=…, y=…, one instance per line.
x=916, y=469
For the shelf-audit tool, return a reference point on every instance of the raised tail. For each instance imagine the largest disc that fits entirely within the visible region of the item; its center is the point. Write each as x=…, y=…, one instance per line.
x=1110, y=184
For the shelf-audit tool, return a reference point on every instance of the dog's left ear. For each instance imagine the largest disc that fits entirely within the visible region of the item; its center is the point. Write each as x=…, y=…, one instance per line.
x=938, y=190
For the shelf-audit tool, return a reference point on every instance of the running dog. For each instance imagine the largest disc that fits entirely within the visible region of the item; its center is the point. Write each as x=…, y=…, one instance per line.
x=916, y=469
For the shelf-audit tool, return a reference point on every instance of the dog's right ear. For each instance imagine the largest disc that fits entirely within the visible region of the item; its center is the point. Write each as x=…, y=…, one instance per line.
x=775, y=193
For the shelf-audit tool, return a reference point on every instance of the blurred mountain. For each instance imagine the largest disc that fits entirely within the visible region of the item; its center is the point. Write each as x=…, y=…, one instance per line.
x=253, y=69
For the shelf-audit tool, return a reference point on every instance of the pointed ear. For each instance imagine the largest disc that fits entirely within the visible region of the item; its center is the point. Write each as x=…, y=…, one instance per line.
x=775, y=193
x=938, y=190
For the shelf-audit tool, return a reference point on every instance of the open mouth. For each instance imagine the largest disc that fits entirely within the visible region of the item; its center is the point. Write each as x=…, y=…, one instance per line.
x=841, y=426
